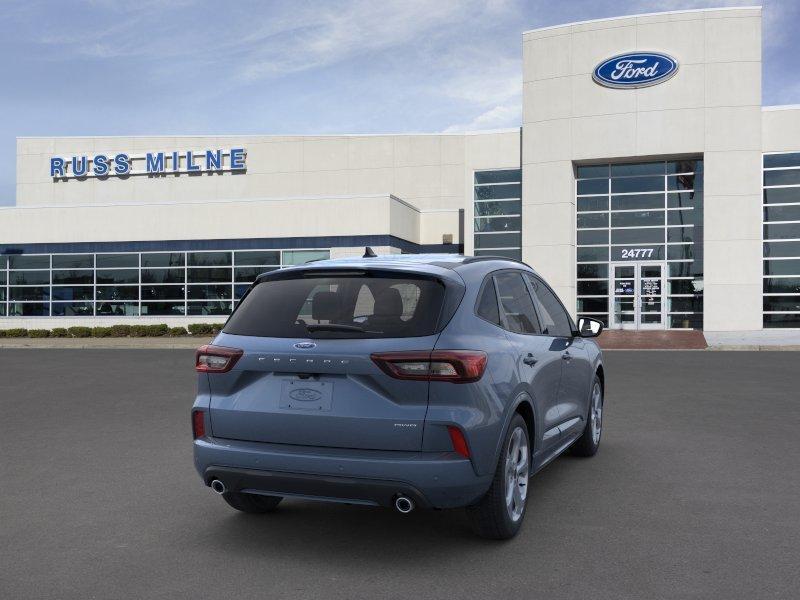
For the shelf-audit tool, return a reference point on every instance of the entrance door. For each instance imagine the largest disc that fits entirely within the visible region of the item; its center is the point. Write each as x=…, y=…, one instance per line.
x=637, y=295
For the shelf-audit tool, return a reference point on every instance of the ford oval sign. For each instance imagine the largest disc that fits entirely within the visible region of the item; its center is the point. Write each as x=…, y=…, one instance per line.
x=305, y=345
x=635, y=70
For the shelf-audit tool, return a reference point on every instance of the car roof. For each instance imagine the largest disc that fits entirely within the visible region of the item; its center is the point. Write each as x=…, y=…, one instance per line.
x=447, y=261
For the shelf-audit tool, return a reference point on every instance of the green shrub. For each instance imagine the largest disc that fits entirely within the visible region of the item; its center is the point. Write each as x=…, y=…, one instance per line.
x=2, y=333
x=101, y=332
x=16, y=332
x=205, y=328
x=80, y=332
x=38, y=333
x=59, y=332
x=138, y=330
x=177, y=331
x=120, y=330
x=157, y=330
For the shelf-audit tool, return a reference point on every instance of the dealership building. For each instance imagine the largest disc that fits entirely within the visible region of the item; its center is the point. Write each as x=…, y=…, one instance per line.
x=647, y=184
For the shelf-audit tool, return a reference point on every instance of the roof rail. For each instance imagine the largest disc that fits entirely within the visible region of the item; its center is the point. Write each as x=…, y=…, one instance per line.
x=472, y=259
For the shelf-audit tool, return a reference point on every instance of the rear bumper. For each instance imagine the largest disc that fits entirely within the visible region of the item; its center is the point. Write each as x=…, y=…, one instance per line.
x=431, y=479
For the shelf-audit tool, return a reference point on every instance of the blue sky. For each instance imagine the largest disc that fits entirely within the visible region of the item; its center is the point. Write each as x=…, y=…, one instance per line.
x=105, y=67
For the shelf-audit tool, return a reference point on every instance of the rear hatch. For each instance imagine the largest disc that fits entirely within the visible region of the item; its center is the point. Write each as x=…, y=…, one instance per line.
x=306, y=375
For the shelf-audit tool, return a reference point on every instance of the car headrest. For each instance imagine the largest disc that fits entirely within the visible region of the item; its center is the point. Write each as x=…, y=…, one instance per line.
x=326, y=306
x=388, y=303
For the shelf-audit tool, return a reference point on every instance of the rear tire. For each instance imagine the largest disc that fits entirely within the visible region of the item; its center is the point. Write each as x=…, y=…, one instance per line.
x=589, y=442
x=499, y=514
x=252, y=503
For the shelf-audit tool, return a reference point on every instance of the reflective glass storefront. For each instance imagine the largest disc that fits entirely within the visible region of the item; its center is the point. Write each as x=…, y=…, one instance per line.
x=781, y=300
x=498, y=213
x=129, y=284
x=640, y=244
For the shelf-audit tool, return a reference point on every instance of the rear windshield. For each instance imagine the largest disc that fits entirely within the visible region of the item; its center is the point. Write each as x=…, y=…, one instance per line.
x=337, y=306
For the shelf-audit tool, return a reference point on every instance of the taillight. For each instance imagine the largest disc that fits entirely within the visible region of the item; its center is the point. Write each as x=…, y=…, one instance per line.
x=198, y=424
x=459, y=441
x=216, y=359
x=456, y=366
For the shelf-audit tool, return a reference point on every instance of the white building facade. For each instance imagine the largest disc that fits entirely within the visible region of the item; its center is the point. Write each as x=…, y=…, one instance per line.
x=654, y=192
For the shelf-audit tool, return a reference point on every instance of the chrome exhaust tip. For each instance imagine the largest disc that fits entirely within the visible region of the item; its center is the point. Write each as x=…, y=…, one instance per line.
x=403, y=504
x=218, y=487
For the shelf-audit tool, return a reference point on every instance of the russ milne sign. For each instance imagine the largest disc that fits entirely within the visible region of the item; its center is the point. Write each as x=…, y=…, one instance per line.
x=635, y=70
x=150, y=163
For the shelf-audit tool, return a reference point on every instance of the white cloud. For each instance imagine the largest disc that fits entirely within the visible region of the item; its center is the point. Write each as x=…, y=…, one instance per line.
x=497, y=117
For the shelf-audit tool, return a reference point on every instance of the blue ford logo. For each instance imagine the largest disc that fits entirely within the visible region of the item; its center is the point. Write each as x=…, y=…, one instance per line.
x=635, y=70
x=305, y=395
x=305, y=345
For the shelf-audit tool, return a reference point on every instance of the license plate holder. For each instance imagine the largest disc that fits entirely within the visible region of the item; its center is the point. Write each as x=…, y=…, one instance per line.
x=306, y=395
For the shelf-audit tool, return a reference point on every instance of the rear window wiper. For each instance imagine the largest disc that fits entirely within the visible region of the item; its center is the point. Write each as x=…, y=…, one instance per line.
x=337, y=327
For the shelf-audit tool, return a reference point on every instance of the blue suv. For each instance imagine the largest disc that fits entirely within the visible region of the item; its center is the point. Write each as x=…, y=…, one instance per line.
x=401, y=381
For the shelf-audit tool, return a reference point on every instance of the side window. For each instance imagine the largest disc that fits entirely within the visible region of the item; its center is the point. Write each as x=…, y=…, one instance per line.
x=487, y=303
x=555, y=320
x=516, y=307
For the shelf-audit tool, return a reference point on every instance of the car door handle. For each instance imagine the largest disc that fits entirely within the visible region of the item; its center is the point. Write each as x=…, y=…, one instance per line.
x=566, y=356
x=529, y=360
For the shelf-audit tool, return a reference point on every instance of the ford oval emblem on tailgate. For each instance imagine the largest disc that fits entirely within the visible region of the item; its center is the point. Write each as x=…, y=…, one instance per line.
x=305, y=395
x=305, y=345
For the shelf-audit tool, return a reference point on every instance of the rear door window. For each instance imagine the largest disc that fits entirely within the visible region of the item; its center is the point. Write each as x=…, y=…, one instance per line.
x=516, y=307
x=332, y=306
x=555, y=320
x=487, y=303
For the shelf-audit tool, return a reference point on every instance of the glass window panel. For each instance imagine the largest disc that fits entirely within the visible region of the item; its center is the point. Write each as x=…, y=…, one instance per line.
x=787, y=177
x=73, y=261
x=29, y=277
x=84, y=292
x=780, y=249
x=593, y=288
x=641, y=252
x=29, y=293
x=239, y=290
x=782, y=267
x=163, y=259
x=486, y=307
x=2, y=294
x=494, y=192
x=592, y=254
x=685, y=286
x=782, y=213
x=694, y=304
x=637, y=236
x=210, y=308
x=497, y=240
x=3, y=262
x=25, y=261
x=782, y=285
x=118, y=292
x=162, y=292
x=72, y=309
x=648, y=168
x=684, y=166
x=684, y=217
x=636, y=184
x=73, y=277
x=117, y=309
x=258, y=257
x=587, y=171
x=681, y=269
x=686, y=321
x=592, y=220
x=2, y=309
x=163, y=276
x=592, y=304
x=592, y=271
x=249, y=274
x=637, y=201
x=209, y=292
x=782, y=303
x=775, y=321
x=498, y=176
x=516, y=306
x=684, y=182
x=679, y=252
x=299, y=257
x=592, y=236
x=637, y=219
x=162, y=308
x=209, y=275
x=782, y=231
x=680, y=234
x=209, y=259
x=597, y=203
x=592, y=186
x=28, y=309
x=782, y=195
x=117, y=276
x=113, y=261
x=684, y=199
x=512, y=253
x=555, y=320
x=500, y=207
x=789, y=159
x=498, y=224
x=2, y=277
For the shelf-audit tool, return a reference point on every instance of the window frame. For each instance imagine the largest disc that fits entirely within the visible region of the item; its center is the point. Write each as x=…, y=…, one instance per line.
x=536, y=302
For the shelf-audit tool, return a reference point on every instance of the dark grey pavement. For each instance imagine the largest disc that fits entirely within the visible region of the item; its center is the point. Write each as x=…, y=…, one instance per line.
x=695, y=493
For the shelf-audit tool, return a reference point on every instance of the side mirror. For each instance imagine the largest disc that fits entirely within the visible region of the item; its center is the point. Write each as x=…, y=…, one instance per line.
x=589, y=328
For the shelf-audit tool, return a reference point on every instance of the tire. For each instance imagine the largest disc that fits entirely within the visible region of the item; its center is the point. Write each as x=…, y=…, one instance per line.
x=589, y=442
x=252, y=503
x=499, y=514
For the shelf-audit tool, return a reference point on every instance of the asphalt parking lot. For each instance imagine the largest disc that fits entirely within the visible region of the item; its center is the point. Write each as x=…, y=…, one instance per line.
x=695, y=493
